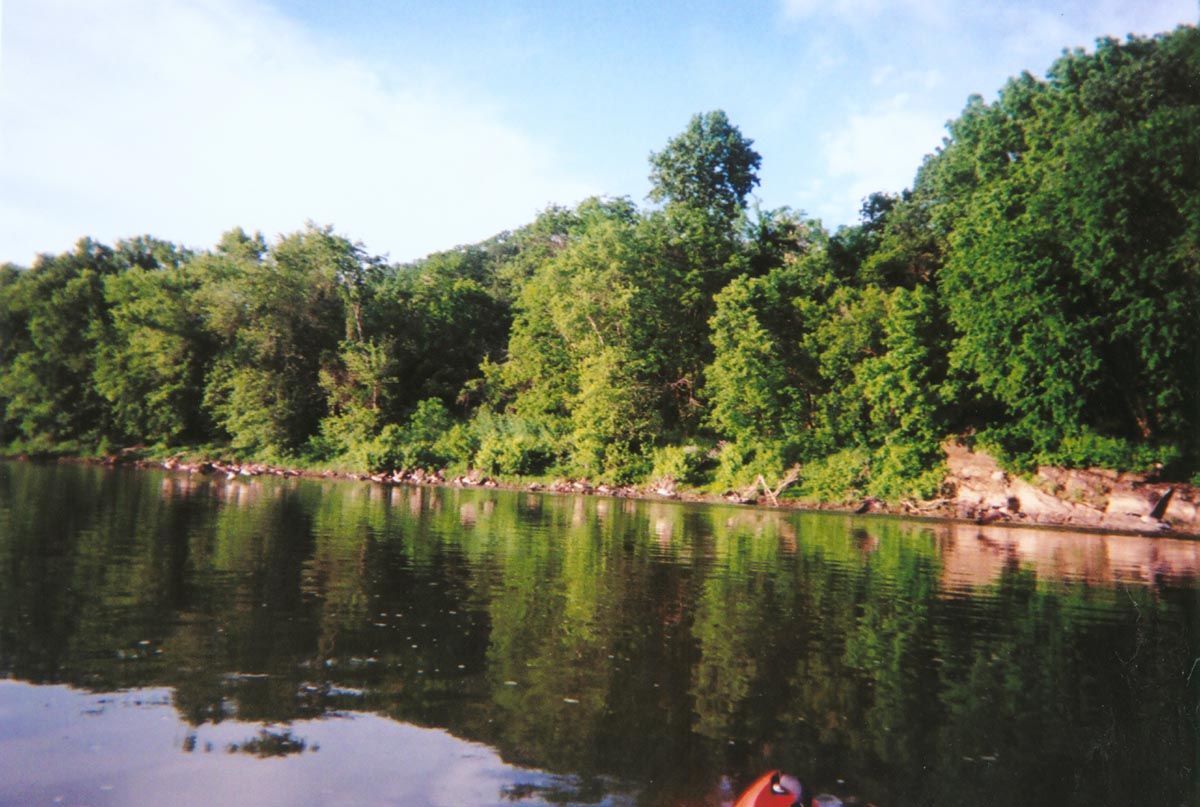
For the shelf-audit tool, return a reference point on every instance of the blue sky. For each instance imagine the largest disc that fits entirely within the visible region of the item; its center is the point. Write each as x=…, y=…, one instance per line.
x=417, y=126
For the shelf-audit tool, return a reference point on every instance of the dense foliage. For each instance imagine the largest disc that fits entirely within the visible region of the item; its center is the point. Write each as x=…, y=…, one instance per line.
x=1036, y=290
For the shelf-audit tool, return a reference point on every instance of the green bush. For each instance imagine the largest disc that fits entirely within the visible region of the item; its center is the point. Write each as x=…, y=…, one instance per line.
x=839, y=477
x=457, y=447
x=738, y=466
x=428, y=439
x=517, y=454
x=906, y=469
x=1078, y=448
x=688, y=465
x=511, y=446
x=1086, y=449
x=344, y=434
x=385, y=452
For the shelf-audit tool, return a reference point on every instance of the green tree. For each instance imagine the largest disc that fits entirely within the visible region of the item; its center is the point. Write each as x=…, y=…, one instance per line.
x=14, y=339
x=441, y=318
x=698, y=244
x=584, y=308
x=709, y=168
x=357, y=391
x=1071, y=275
x=762, y=383
x=281, y=316
x=46, y=382
x=151, y=362
x=613, y=417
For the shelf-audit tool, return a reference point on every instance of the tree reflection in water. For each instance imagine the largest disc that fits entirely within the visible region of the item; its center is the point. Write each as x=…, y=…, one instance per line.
x=656, y=645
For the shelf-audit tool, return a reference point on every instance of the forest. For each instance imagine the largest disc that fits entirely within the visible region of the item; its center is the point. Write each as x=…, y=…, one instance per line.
x=1036, y=293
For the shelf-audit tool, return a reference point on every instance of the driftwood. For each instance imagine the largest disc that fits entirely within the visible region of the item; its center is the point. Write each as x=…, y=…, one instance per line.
x=1160, y=509
x=761, y=484
x=915, y=506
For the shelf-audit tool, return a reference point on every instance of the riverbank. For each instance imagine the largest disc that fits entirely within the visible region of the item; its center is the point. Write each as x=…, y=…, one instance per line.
x=976, y=489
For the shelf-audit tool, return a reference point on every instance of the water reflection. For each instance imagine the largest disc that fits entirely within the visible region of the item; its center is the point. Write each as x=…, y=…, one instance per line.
x=129, y=748
x=977, y=556
x=643, y=650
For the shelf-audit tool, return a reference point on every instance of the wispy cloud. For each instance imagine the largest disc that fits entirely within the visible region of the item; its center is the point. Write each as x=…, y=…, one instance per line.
x=415, y=127
x=1035, y=30
x=188, y=117
x=909, y=65
x=878, y=150
x=864, y=11
x=889, y=75
x=1045, y=22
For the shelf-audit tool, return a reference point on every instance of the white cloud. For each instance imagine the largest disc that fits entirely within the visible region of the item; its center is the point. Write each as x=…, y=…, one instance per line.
x=889, y=76
x=1035, y=34
x=910, y=65
x=183, y=118
x=874, y=151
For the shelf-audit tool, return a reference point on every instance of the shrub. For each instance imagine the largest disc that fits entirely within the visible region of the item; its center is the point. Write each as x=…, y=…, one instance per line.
x=385, y=452
x=689, y=465
x=1086, y=449
x=457, y=446
x=428, y=439
x=838, y=477
x=512, y=446
x=1080, y=447
x=739, y=465
x=906, y=468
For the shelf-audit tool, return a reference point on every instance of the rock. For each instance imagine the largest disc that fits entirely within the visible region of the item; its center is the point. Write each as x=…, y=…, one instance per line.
x=1181, y=510
x=1093, y=498
x=1037, y=504
x=665, y=487
x=1128, y=503
x=870, y=505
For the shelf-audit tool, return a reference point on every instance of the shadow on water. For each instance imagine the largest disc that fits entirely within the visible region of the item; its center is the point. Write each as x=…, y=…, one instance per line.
x=580, y=650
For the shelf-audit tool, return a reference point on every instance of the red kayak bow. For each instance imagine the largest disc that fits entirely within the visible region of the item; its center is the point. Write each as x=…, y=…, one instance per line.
x=771, y=790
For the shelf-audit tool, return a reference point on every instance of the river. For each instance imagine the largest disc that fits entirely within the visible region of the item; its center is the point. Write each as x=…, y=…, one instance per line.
x=190, y=640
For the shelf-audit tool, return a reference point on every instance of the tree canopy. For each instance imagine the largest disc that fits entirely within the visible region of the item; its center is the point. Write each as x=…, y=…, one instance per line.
x=710, y=167
x=1035, y=290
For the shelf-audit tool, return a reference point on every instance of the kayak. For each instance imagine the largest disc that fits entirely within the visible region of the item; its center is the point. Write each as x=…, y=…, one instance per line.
x=777, y=789
x=772, y=789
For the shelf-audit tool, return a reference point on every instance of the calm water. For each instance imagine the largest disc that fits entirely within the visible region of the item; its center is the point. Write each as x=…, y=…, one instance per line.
x=176, y=640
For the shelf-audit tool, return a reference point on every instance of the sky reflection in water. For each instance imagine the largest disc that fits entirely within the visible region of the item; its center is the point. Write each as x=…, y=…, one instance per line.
x=131, y=748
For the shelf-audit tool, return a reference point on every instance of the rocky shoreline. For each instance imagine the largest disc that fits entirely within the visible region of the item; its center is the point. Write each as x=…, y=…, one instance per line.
x=977, y=490
x=1093, y=499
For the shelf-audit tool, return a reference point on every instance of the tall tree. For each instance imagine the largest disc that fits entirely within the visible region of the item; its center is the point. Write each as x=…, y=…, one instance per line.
x=583, y=309
x=697, y=244
x=710, y=167
x=281, y=316
x=47, y=385
x=155, y=347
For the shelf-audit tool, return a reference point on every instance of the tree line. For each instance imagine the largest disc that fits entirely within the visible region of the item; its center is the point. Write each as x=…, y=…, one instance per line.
x=1036, y=291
